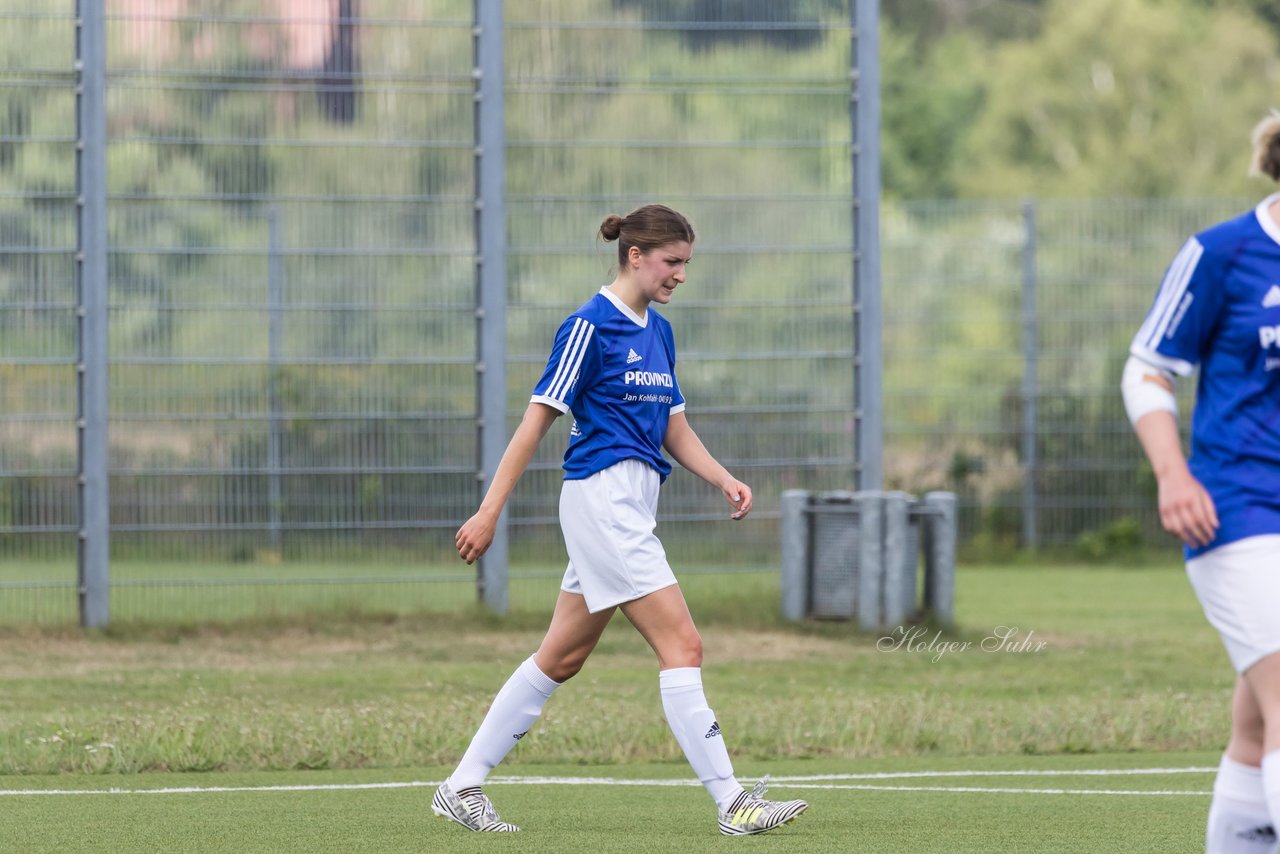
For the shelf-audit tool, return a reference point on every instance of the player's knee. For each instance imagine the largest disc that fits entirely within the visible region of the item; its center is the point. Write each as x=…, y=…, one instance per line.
x=685, y=651
x=566, y=666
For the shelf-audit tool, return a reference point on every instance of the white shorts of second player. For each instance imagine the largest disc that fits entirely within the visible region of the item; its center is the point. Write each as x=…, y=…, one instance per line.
x=608, y=521
x=1238, y=586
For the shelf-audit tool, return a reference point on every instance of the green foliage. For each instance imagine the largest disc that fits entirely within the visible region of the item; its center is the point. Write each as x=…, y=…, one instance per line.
x=1093, y=105
x=1118, y=540
x=929, y=101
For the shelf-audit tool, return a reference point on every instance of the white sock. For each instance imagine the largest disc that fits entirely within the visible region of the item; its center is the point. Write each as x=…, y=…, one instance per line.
x=514, y=710
x=1239, y=822
x=698, y=732
x=1271, y=785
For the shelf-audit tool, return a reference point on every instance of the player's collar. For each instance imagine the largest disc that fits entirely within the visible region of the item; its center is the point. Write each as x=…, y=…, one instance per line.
x=642, y=322
x=1264, y=218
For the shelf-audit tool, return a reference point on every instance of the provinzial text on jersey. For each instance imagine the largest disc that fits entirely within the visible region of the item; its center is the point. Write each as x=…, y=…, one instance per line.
x=648, y=378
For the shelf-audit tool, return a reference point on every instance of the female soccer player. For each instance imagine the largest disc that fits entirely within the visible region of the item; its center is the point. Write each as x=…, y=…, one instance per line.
x=613, y=365
x=1219, y=308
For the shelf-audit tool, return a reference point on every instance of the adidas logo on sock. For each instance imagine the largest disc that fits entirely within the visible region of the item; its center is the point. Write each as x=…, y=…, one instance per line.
x=714, y=731
x=1265, y=834
x=520, y=735
x=633, y=357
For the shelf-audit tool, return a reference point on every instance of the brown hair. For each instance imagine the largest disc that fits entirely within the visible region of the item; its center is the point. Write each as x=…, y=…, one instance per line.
x=646, y=228
x=1266, y=147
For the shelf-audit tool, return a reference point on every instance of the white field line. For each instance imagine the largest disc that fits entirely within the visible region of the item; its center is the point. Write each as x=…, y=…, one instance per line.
x=807, y=782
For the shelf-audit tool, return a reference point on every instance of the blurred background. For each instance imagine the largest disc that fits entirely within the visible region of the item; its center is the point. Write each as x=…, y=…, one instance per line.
x=291, y=209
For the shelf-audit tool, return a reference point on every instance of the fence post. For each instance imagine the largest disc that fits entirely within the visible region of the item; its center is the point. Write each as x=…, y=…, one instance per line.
x=93, y=564
x=275, y=349
x=1030, y=379
x=491, y=263
x=868, y=360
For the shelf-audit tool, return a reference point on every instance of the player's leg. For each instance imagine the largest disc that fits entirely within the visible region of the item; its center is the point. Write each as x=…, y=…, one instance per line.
x=573, y=634
x=1264, y=682
x=663, y=619
x=1239, y=822
x=1239, y=590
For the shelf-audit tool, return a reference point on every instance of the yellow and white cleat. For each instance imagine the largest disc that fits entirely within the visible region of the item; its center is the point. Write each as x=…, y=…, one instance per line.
x=750, y=813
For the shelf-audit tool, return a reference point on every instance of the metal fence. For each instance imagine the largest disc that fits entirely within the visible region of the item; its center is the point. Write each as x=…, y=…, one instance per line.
x=292, y=265
x=293, y=279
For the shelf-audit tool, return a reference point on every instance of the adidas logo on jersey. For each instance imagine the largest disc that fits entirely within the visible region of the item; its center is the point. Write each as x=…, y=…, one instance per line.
x=1271, y=300
x=633, y=356
x=714, y=731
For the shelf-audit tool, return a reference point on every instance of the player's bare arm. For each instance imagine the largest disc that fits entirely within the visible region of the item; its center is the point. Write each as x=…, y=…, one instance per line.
x=476, y=534
x=1186, y=510
x=687, y=449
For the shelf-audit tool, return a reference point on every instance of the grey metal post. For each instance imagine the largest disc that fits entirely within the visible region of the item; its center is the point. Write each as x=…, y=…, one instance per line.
x=491, y=283
x=940, y=555
x=796, y=543
x=1030, y=380
x=901, y=549
x=867, y=355
x=870, y=558
x=275, y=347
x=93, y=557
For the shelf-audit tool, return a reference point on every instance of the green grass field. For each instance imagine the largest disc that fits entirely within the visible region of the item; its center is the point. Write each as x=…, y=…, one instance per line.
x=1134, y=803
x=1108, y=669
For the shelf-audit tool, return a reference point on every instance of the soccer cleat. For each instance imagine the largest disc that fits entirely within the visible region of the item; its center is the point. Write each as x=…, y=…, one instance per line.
x=751, y=813
x=470, y=808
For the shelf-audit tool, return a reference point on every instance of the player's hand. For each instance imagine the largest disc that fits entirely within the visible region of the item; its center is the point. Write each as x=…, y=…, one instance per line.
x=1186, y=510
x=475, y=536
x=738, y=494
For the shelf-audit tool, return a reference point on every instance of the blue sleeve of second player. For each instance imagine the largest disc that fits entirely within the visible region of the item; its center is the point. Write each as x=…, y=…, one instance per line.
x=1182, y=318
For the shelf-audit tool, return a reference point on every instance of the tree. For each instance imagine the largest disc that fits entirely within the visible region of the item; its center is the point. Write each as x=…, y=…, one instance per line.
x=1124, y=99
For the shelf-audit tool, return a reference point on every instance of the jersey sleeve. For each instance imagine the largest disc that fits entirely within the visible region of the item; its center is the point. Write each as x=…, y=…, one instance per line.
x=1182, y=318
x=669, y=344
x=573, y=357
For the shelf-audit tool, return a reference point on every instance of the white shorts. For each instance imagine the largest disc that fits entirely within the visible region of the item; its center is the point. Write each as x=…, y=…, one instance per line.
x=1238, y=586
x=608, y=521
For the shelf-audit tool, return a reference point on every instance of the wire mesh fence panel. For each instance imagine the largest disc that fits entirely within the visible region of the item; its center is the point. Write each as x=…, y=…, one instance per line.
x=737, y=115
x=292, y=284
x=960, y=302
x=38, y=296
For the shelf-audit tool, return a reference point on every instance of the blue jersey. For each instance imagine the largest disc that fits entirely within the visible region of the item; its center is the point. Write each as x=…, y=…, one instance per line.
x=1219, y=308
x=617, y=372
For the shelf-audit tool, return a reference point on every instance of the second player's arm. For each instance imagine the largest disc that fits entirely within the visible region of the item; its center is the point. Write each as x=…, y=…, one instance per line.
x=687, y=449
x=476, y=534
x=1186, y=509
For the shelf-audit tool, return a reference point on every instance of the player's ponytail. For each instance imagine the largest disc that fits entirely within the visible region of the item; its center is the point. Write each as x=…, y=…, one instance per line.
x=611, y=228
x=1266, y=147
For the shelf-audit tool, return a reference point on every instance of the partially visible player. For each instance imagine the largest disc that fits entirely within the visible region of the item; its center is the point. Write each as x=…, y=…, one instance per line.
x=614, y=366
x=1218, y=308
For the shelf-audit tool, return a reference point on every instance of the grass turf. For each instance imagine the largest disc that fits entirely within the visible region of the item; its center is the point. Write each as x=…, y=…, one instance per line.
x=904, y=815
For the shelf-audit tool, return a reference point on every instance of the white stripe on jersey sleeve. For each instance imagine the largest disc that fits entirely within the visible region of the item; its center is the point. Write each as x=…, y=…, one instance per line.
x=1172, y=300
x=566, y=355
x=558, y=405
x=571, y=359
x=1181, y=367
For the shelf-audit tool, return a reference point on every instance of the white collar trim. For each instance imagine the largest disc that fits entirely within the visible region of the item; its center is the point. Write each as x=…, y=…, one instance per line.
x=642, y=322
x=1264, y=219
